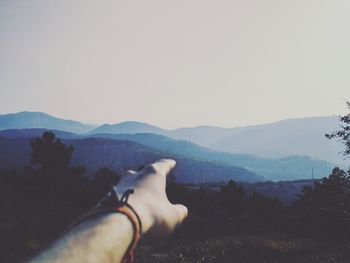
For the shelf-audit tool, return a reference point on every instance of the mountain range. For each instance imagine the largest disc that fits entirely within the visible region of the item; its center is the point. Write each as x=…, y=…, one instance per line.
x=25, y=120
x=302, y=136
x=286, y=168
x=120, y=155
x=144, y=146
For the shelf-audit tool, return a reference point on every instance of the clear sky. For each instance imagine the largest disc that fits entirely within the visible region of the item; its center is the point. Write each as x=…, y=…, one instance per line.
x=175, y=63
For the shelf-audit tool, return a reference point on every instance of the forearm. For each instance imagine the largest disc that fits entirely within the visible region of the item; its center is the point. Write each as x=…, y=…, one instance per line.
x=107, y=238
x=104, y=239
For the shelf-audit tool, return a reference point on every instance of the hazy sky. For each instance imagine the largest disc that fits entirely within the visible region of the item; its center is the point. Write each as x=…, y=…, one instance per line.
x=175, y=63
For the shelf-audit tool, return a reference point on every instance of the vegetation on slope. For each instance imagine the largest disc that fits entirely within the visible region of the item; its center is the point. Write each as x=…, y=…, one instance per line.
x=227, y=225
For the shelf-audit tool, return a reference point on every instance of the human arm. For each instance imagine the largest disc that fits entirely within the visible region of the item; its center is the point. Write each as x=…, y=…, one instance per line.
x=107, y=237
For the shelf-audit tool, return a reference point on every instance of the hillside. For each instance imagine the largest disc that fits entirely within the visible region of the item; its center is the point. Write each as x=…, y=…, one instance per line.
x=289, y=168
x=302, y=136
x=25, y=119
x=122, y=155
x=129, y=127
x=34, y=132
x=305, y=136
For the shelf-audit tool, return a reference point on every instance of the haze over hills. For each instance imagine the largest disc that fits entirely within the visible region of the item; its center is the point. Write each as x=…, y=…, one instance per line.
x=119, y=155
x=303, y=136
x=279, y=169
x=202, y=135
x=288, y=168
x=35, y=132
x=25, y=120
x=128, y=127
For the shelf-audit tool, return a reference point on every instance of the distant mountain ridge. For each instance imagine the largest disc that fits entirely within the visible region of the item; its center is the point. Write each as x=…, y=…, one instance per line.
x=25, y=119
x=300, y=136
x=121, y=155
x=128, y=127
x=304, y=136
x=288, y=168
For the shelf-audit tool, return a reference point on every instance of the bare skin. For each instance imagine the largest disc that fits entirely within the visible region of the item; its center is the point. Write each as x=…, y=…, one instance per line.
x=106, y=238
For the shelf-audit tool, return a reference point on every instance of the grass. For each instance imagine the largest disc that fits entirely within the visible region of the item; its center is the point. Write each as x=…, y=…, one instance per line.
x=245, y=249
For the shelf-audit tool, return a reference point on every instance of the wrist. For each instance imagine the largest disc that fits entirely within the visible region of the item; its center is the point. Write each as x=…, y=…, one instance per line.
x=144, y=212
x=140, y=203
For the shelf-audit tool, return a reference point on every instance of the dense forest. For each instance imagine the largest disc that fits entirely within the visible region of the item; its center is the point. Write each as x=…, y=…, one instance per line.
x=39, y=202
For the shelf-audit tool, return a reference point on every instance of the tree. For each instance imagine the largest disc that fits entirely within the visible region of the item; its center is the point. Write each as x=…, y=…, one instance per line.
x=344, y=133
x=105, y=179
x=50, y=153
x=56, y=191
x=330, y=193
x=324, y=209
x=233, y=197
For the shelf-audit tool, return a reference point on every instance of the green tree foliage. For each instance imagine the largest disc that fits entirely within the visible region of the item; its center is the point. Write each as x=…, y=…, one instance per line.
x=330, y=193
x=324, y=209
x=50, y=153
x=344, y=133
x=229, y=210
x=233, y=197
x=60, y=189
x=40, y=202
x=104, y=181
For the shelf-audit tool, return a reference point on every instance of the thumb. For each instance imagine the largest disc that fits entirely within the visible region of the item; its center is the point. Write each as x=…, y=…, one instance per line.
x=181, y=212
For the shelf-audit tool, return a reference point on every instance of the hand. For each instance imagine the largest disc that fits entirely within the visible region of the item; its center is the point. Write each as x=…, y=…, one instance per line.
x=158, y=216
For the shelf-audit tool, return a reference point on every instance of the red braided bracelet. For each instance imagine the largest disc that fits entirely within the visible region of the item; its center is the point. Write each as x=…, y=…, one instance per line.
x=111, y=204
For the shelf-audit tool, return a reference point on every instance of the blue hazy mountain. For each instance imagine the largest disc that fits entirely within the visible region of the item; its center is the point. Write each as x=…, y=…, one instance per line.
x=25, y=119
x=205, y=135
x=302, y=136
x=128, y=127
x=121, y=155
x=288, y=168
x=202, y=135
x=34, y=132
